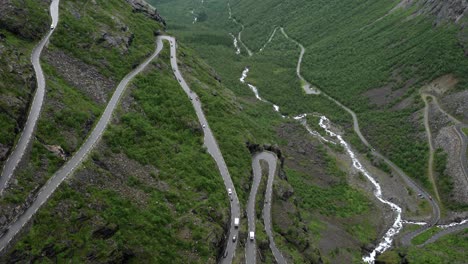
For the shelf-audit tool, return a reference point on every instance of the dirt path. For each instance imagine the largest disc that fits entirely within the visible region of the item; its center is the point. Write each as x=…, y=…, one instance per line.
x=430, y=166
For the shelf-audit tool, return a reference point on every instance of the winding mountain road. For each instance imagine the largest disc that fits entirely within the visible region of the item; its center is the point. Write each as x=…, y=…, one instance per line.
x=52, y=184
x=409, y=182
x=464, y=146
x=461, y=135
x=430, y=167
x=213, y=149
x=240, y=32
x=306, y=86
x=36, y=106
x=250, y=248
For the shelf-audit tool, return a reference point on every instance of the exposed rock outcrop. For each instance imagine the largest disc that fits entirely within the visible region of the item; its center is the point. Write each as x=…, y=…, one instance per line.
x=83, y=76
x=143, y=7
x=448, y=141
x=444, y=10
x=18, y=20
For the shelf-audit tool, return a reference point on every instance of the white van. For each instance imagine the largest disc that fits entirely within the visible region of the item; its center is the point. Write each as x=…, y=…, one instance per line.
x=236, y=222
x=251, y=235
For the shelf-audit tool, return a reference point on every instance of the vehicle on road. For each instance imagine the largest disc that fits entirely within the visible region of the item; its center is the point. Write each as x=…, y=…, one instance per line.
x=229, y=191
x=234, y=238
x=236, y=222
x=3, y=232
x=203, y=125
x=251, y=235
x=52, y=27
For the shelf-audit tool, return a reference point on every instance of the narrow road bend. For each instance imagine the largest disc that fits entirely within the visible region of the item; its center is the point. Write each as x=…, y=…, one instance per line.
x=52, y=184
x=213, y=149
x=430, y=166
x=272, y=161
x=250, y=249
x=18, y=152
x=411, y=183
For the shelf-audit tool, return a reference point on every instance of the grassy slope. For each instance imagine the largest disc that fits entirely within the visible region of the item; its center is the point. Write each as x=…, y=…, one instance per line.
x=346, y=61
x=159, y=130
x=68, y=114
x=16, y=44
x=448, y=249
x=273, y=72
x=341, y=59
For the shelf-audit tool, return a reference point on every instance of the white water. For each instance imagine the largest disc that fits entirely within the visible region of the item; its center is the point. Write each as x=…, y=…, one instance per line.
x=453, y=224
x=387, y=240
x=255, y=91
x=405, y=222
x=240, y=32
x=236, y=45
x=302, y=119
x=244, y=75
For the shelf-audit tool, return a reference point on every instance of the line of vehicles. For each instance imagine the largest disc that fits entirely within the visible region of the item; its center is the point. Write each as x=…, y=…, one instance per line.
x=237, y=222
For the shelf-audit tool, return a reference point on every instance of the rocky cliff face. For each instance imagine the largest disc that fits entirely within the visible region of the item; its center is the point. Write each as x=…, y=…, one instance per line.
x=29, y=23
x=452, y=10
x=444, y=10
x=145, y=8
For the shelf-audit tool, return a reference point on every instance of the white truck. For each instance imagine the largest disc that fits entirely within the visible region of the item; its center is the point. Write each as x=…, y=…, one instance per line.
x=236, y=222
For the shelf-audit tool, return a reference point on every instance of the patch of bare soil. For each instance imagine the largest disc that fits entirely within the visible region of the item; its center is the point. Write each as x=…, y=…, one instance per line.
x=457, y=104
x=81, y=75
x=392, y=92
x=447, y=139
x=119, y=173
x=305, y=154
x=440, y=85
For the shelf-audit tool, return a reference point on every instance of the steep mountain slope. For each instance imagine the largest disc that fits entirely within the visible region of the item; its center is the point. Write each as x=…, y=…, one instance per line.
x=151, y=193
x=374, y=57
x=20, y=27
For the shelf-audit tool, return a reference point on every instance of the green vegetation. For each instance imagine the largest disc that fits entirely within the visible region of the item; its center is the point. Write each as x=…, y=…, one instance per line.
x=340, y=200
x=344, y=58
x=159, y=131
x=68, y=113
x=448, y=249
x=15, y=89
x=84, y=36
x=423, y=237
x=445, y=182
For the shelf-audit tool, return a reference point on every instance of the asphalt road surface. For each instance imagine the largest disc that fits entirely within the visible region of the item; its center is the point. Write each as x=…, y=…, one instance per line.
x=250, y=246
x=213, y=149
x=36, y=106
x=464, y=145
x=49, y=188
x=445, y=232
x=308, y=88
x=430, y=167
x=271, y=159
